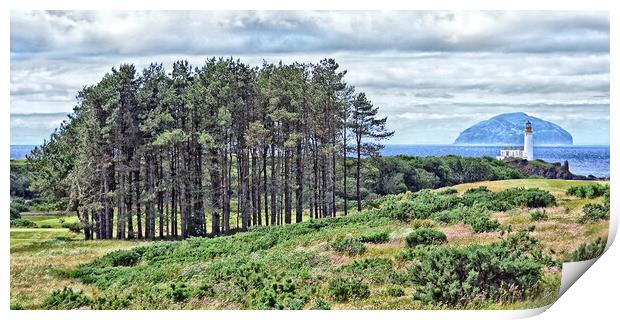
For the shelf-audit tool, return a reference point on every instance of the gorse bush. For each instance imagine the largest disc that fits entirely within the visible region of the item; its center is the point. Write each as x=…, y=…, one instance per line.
x=539, y=215
x=427, y=204
x=458, y=276
x=66, y=299
x=345, y=289
x=425, y=236
x=321, y=304
x=375, y=270
x=588, y=191
x=375, y=237
x=22, y=223
x=349, y=246
x=587, y=251
x=395, y=291
x=593, y=212
x=179, y=292
x=73, y=227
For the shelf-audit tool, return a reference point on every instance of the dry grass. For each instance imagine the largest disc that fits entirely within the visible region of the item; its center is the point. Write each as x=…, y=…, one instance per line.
x=39, y=256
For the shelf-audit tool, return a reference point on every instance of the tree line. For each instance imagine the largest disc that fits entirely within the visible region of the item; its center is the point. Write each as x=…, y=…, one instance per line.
x=157, y=154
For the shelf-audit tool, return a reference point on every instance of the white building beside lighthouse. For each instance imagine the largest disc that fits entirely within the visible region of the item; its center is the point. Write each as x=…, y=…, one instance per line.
x=528, y=146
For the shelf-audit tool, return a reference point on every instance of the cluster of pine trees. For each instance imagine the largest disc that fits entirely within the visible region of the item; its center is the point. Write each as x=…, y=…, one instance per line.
x=162, y=154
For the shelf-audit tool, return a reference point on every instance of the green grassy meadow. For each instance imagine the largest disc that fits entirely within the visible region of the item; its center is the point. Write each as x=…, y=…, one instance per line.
x=293, y=265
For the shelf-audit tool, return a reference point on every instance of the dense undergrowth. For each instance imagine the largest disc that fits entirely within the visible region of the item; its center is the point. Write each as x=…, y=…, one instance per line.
x=320, y=263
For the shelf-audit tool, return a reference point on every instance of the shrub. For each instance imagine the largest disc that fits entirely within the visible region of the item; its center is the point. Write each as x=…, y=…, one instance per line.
x=345, y=289
x=376, y=237
x=19, y=206
x=349, y=246
x=23, y=223
x=395, y=291
x=204, y=290
x=531, y=198
x=425, y=236
x=587, y=251
x=539, y=215
x=123, y=258
x=321, y=304
x=73, y=227
x=593, y=212
x=376, y=270
x=448, y=191
x=482, y=223
x=66, y=299
x=588, y=191
x=15, y=214
x=457, y=276
x=477, y=189
x=114, y=302
x=45, y=226
x=179, y=292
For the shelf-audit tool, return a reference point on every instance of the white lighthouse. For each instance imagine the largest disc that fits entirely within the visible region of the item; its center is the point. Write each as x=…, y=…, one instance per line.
x=528, y=143
x=528, y=146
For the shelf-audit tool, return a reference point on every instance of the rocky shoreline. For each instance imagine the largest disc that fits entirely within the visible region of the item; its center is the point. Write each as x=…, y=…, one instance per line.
x=548, y=170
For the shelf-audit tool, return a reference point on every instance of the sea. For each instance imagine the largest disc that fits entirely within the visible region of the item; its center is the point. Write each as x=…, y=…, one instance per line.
x=583, y=160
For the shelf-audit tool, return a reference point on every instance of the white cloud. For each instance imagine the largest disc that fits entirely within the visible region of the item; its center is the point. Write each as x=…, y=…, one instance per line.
x=425, y=70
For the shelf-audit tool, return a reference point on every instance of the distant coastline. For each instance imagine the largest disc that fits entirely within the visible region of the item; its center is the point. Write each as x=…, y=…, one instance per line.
x=583, y=159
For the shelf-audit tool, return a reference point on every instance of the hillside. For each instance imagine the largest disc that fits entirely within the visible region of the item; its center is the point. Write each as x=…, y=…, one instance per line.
x=507, y=129
x=360, y=261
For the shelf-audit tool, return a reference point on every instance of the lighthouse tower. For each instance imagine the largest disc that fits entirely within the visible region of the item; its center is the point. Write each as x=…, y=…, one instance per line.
x=528, y=145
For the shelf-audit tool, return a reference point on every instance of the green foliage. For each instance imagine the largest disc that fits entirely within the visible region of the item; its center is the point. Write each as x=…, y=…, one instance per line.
x=587, y=251
x=458, y=276
x=114, y=302
x=66, y=299
x=15, y=214
x=448, y=191
x=179, y=292
x=349, y=246
x=345, y=289
x=375, y=237
x=22, y=223
x=407, y=173
x=425, y=236
x=593, y=212
x=121, y=258
x=588, y=191
x=376, y=270
x=539, y=215
x=45, y=226
x=321, y=304
x=73, y=227
x=395, y=291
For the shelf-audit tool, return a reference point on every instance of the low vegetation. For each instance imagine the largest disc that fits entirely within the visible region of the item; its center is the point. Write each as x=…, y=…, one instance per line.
x=587, y=251
x=362, y=260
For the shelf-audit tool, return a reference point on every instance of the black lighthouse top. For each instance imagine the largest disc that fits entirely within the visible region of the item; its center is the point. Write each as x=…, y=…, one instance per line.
x=528, y=126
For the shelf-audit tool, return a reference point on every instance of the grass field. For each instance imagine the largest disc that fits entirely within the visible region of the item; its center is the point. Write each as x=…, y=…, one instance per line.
x=41, y=258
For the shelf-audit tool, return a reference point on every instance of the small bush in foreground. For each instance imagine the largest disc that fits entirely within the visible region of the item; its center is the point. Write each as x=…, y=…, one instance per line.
x=539, y=215
x=73, y=227
x=179, y=292
x=321, y=304
x=22, y=223
x=458, y=276
x=395, y=291
x=588, y=191
x=587, y=251
x=425, y=236
x=593, y=212
x=345, y=289
x=66, y=299
x=349, y=246
x=376, y=237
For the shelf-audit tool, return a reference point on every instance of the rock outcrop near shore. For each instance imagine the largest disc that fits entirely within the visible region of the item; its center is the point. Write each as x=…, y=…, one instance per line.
x=547, y=170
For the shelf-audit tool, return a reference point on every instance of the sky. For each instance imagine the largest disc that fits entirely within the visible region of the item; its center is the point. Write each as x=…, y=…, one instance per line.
x=432, y=73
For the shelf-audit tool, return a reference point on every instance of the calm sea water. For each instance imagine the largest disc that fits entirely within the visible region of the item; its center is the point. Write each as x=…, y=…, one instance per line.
x=583, y=160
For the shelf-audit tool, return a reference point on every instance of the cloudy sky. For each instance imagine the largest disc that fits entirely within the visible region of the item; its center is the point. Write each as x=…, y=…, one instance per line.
x=432, y=73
